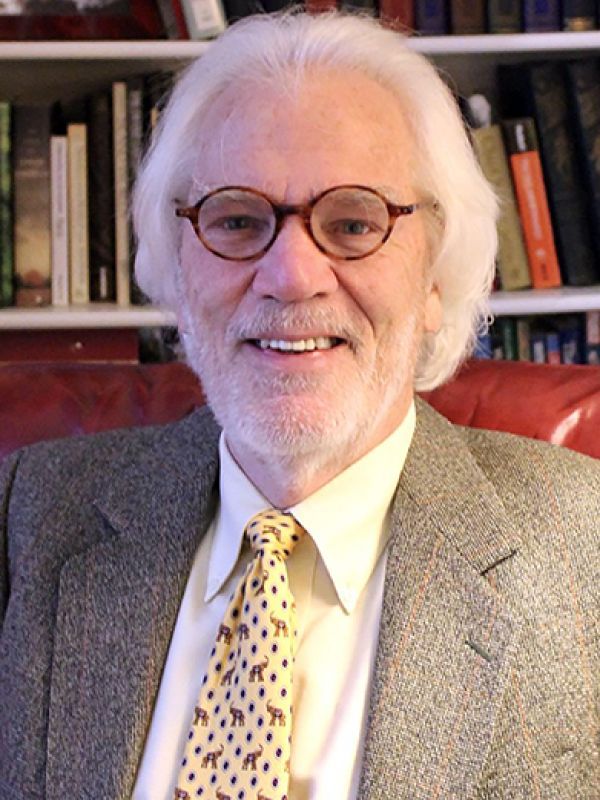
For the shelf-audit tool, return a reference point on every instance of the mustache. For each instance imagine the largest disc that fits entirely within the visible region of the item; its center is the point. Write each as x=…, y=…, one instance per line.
x=293, y=319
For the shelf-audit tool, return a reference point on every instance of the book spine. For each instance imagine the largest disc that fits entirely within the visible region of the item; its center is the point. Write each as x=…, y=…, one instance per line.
x=431, y=17
x=60, y=221
x=523, y=326
x=541, y=15
x=540, y=91
x=169, y=19
x=467, y=16
x=400, y=13
x=180, y=19
x=578, y=15
x=31, y=188
x=552, y=347
x=530, y=190
x=504, y=16
x=6, y=218
x=513, y=265
x=79, y=246
x=316, y=6
x=508, y=333
x=121, y=189
x=101, y=198
x=592, y=337
x=135, y=147
x=204, y=18
x=583, y=83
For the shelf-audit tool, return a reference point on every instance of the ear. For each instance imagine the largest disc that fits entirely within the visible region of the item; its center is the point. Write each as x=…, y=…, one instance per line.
x=433, y=311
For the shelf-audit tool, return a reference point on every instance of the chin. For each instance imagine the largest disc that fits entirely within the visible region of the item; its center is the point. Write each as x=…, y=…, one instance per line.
x=287, y=428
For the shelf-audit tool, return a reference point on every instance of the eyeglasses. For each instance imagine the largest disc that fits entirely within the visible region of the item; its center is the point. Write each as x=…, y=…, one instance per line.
x=347, y=222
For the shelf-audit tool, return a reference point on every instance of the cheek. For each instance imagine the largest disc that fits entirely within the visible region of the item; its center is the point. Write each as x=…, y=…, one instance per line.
x=210, y=283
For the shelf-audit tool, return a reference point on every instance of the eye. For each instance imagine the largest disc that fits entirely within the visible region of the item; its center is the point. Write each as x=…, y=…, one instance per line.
x=350, y=227
x=238, y=223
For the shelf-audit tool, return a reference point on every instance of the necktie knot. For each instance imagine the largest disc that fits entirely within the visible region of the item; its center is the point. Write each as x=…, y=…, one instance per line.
x=273, y=532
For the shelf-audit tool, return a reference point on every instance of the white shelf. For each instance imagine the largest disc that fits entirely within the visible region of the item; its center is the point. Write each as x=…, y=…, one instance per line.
x=566, y=300
x=182, y=50
x=549, y=301
x=101, y=50
x=92, y=316
x=501, y=43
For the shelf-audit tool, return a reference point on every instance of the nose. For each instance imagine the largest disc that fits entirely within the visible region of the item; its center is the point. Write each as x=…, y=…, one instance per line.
x=294, y=269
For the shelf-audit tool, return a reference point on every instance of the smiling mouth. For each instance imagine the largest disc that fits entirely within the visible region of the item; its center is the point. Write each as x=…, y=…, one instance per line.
x=298, y=345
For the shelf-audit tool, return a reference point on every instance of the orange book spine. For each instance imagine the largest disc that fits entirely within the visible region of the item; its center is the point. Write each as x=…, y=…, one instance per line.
x=532, y=200
x=535, y=217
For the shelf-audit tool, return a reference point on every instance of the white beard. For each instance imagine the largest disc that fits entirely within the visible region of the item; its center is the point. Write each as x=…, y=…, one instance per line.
x=293, y=419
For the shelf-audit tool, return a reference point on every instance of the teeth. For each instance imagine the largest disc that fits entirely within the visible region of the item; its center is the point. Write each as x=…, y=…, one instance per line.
x=299, y=346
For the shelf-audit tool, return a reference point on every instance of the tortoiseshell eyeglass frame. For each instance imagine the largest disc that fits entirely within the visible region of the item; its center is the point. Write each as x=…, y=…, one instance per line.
x=281, y=211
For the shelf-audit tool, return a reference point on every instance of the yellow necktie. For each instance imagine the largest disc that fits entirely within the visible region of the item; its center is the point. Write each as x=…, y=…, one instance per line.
x=238, y=745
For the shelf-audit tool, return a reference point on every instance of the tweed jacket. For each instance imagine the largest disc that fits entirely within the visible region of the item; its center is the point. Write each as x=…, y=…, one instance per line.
x=485, y=685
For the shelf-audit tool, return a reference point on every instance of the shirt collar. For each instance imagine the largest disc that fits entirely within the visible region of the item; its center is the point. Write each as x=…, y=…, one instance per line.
x=346, y=518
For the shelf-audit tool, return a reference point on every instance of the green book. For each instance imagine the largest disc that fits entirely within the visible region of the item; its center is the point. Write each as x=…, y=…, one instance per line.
x=6, y=239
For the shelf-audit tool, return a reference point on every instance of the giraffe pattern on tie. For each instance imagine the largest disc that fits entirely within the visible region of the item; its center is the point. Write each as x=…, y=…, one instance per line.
x=240, y=740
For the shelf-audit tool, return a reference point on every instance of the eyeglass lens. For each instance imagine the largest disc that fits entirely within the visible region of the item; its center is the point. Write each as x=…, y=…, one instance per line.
x=346, y=222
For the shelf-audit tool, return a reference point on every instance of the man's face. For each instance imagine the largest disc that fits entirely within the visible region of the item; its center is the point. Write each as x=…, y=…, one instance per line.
x=333, y=401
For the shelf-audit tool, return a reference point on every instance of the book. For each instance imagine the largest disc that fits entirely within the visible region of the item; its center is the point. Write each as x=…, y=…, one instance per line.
x=79, y=242
x=553, y=347
x=523, y=326
x=23, y=20
x=539, y=90
x=135, y=150
x=399, y=14
x=204, y=19
x=592, y=337
x=121, y=193
x=59, y=216
x=578, y=15
x=101, y=197
x=237, y=9
x=504, y=16
x=31, y=205
x=508, y=335
x=173, y=19
x=431, y=17
x=583, y=85
x=115, y=345
x=538, y=346
x=6, y=216
x=467, y=16
x=540, y=16
x=513, y=265
x=572, y=339
x=530, y=190
x=311, y=6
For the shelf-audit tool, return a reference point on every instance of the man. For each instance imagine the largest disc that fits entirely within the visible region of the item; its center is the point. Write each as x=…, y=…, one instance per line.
x=312, y=210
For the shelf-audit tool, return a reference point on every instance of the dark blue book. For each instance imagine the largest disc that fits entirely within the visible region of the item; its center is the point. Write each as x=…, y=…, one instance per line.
x=539, y=90
x=541, y=15
x=504, y=16
x=431, y=17
x=583, y=84
x=578, y=15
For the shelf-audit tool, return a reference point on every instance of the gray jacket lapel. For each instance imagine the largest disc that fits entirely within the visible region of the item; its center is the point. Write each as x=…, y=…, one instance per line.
x=118, y=604
x=446, y=636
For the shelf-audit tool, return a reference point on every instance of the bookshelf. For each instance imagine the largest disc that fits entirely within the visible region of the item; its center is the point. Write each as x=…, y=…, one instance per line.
x=36, y=71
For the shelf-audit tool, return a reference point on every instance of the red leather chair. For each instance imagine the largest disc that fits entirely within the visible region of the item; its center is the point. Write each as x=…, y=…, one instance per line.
x=558, y=404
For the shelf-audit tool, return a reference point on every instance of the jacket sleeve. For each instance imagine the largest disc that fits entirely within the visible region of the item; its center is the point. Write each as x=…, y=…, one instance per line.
x=8, y=469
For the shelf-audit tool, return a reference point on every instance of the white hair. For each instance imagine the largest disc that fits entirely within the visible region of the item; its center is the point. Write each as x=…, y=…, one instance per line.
x=282, y=47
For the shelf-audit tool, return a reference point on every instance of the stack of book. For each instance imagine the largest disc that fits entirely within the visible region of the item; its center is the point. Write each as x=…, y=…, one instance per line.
x=542, y=160
x=561, y=339
x=65, y=181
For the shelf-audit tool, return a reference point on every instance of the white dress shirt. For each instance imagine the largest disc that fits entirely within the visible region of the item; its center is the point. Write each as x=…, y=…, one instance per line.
x=336, y=576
